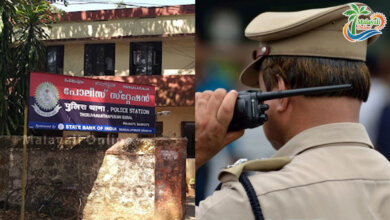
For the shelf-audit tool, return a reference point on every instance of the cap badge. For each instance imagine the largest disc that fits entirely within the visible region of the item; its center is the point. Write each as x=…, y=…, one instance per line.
x=262, y=51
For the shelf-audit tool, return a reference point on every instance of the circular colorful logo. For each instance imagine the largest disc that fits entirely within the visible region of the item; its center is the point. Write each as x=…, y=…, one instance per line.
x=359, y=29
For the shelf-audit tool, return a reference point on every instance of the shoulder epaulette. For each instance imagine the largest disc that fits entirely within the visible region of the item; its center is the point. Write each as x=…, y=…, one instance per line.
x=270, y=164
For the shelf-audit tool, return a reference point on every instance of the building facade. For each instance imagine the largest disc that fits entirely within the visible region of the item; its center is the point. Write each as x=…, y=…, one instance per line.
x=154, y=46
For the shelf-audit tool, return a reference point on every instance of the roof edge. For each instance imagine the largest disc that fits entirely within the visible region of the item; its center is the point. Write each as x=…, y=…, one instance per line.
x=110, y=14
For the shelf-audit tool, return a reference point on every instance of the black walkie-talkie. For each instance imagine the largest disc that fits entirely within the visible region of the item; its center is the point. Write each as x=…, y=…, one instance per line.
x=249, y=111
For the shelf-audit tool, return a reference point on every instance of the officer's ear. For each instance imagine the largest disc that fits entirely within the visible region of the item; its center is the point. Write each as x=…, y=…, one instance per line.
x=282, y=102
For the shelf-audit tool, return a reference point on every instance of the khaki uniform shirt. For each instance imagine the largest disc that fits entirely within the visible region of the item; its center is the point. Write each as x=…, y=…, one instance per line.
x=334, y=174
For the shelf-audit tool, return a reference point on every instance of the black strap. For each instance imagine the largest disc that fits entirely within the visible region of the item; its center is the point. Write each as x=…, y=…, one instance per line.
x=250, y=191
x=218, y=187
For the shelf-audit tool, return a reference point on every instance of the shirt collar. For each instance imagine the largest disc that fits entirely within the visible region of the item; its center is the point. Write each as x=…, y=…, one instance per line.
x=323, y=135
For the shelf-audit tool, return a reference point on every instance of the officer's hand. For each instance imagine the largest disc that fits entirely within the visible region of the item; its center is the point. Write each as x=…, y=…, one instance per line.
x=213, y=113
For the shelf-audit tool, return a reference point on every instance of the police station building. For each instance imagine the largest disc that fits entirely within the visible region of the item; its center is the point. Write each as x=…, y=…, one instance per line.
x=152, y=46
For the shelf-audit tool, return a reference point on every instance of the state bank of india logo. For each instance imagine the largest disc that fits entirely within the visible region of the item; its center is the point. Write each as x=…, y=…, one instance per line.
x=46, y=100
x=362, y=24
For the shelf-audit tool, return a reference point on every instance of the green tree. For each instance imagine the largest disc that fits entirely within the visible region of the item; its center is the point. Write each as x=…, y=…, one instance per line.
x=354, y=14
x=121, y=4
x=22, y=29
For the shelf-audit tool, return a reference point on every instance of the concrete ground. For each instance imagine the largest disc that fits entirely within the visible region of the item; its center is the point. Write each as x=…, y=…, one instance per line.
x=15, y=214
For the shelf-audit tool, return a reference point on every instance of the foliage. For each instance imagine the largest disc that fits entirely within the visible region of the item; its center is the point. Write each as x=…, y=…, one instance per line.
x=192, y=181
x=120, y=4
x=21, y=51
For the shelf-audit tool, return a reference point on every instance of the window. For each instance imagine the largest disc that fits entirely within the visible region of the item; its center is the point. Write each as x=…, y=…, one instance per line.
x=188, y=131
x=145, y=58
x=159, y=128
x=99, y=59
x=55, y=59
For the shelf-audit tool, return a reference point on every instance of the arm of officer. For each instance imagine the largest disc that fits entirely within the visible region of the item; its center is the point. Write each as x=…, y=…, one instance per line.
x=213, y=113
x=228, y=203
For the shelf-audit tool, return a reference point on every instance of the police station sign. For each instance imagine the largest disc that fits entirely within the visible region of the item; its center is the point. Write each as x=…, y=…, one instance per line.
x=61, y=102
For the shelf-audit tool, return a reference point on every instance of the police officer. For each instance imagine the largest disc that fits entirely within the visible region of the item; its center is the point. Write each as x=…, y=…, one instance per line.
x=325, y=167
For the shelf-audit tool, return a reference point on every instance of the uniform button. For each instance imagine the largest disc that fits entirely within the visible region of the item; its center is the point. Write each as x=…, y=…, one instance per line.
x=263, y=50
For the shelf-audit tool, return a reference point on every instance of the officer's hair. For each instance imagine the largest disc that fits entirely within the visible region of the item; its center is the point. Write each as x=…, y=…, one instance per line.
x=302, y=72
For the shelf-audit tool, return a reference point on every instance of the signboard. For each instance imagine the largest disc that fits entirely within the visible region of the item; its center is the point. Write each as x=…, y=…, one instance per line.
x=61, y=102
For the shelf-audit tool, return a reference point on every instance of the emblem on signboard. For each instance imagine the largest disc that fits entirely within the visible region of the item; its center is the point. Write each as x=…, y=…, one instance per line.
x=46, y=100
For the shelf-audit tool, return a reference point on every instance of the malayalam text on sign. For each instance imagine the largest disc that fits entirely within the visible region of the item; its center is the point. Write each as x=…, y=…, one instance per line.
x=60, y=102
